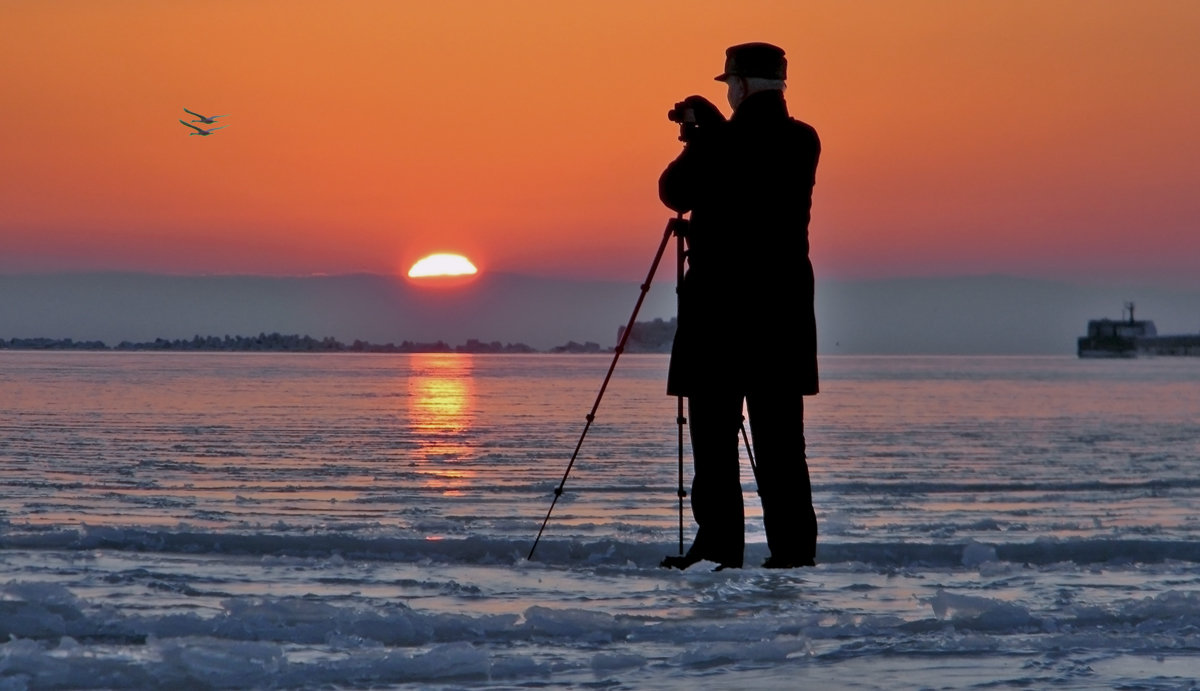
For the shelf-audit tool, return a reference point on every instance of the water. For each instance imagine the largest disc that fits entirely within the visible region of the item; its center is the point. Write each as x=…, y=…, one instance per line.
x=353, y=521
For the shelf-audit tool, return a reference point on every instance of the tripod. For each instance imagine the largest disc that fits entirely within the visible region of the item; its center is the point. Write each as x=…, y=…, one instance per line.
x=678, y=227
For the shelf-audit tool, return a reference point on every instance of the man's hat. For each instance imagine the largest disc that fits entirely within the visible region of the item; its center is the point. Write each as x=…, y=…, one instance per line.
x=754, y=60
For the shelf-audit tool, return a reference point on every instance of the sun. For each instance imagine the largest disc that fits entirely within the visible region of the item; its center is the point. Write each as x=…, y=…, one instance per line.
x=443, y=265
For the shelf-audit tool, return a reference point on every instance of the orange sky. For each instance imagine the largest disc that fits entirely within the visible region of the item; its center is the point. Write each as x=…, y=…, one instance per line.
x=1051, y=138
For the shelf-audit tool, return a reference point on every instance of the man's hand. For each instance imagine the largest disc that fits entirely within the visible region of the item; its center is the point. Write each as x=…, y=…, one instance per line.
x=705, y=112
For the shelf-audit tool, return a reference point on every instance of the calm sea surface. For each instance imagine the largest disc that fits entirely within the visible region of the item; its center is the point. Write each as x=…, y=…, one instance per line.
x=351, y=520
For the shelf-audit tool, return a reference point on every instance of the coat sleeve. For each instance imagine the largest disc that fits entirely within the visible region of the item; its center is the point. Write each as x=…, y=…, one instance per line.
x=677, y=184
x=693, y=174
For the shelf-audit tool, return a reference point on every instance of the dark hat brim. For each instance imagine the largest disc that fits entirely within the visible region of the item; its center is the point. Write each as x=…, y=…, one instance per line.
x=759, y=60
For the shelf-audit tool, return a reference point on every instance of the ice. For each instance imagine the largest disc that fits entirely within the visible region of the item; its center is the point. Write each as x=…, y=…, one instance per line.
x=697, y=622
x=382, y=610
x=977, y=554
x=267, y=522
x=605, y=662
x=584, y=625
x=220, y=663
x=724, y=653
x=980, y=613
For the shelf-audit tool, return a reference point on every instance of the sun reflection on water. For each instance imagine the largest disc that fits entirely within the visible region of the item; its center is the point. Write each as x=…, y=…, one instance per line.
x=441, y=412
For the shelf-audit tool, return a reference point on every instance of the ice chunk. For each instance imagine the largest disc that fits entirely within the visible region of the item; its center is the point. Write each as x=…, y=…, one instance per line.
x=977, y=553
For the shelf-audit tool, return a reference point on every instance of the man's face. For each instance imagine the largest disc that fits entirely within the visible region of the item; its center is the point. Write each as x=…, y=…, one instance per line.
x=737, y=91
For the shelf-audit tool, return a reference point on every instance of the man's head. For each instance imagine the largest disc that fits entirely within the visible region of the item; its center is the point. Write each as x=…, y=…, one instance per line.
x=753, y=67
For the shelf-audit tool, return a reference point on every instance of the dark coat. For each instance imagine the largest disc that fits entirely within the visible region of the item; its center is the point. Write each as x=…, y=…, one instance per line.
x=746, y=318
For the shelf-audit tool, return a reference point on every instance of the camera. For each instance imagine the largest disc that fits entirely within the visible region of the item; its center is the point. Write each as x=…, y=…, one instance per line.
x=683, y=113
x=694, y=113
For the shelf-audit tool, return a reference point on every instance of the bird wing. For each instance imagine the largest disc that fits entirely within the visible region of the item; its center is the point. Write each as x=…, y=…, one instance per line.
x=191, y=126
x=192, y=113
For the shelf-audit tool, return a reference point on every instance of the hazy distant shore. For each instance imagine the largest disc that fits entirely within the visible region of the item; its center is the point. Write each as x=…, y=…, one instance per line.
x=281, y=343
x=902, y=316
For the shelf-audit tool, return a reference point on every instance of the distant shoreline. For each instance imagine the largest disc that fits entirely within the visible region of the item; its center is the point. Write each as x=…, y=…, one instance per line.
x=290, y=343
x=647, y=337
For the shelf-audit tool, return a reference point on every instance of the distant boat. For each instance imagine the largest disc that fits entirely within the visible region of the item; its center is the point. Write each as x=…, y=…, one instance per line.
x=1128, y=338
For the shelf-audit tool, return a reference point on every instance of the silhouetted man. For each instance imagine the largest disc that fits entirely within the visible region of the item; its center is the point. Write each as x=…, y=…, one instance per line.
x=747, y=330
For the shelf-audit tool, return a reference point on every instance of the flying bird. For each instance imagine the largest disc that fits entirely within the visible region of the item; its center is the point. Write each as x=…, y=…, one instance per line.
x=204, y=118
x=202, y=133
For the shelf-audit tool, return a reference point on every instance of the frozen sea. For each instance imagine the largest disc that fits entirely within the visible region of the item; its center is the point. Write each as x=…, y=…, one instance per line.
x=187, y=520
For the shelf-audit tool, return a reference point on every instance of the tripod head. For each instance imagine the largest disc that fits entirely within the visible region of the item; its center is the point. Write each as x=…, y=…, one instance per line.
x=684, y=114
x=687, y=131
x=679, y=226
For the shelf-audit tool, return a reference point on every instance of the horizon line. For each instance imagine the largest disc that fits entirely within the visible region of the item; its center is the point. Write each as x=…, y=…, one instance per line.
x=553, y=277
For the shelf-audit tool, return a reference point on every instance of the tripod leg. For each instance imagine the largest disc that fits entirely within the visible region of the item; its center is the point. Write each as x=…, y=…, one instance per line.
x=591, y=416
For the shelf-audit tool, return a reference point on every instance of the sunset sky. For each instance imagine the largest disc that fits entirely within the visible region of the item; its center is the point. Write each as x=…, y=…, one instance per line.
x=1036, y=138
